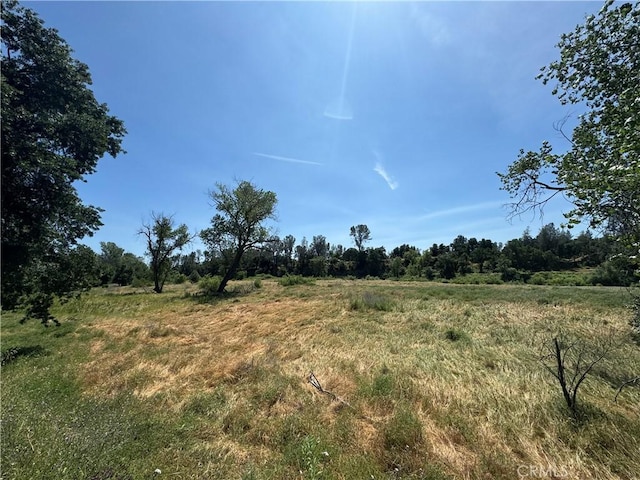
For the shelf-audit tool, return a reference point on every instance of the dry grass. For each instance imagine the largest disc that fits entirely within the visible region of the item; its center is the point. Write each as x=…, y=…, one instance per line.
x=467, y=369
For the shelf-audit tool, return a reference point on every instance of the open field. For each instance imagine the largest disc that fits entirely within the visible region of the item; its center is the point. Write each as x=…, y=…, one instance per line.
x=434, y=381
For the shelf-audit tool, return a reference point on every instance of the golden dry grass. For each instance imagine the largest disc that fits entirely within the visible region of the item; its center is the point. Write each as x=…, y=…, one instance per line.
x=485, y=403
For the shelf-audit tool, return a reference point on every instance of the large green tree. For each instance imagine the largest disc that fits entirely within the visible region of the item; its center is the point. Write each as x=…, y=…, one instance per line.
x=598, y=69
x=239, y=224
x=54, y=132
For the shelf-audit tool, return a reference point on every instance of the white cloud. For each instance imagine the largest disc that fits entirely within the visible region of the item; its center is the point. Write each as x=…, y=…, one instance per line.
x=380, y=170
x=286, y=159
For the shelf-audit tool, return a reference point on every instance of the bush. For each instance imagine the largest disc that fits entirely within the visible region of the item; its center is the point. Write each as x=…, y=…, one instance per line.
x=290, y=280
x=180, y=279
x=140, y=282
x=194, y=277
x=257, y=283
x=209, y=285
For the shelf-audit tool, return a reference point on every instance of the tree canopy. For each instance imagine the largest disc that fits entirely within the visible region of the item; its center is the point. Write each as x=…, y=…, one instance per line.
x=599, y=68
x=163, y=239
x=238, y=226
x=54, y=131
x=361, y=234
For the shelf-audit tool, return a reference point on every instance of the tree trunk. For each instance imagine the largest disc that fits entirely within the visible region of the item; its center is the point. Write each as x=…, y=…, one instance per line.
x=156, y=279
x=231, y=271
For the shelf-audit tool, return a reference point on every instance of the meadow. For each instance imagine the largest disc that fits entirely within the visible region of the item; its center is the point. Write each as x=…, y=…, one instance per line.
x=414, y=380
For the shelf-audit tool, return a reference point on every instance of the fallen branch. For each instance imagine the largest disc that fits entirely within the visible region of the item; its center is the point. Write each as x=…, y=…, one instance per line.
x=316, y=384
x=628, y=382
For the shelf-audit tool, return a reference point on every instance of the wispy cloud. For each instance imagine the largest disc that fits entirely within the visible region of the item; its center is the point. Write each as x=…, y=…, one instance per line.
x=286, y=159
x=431, y=27
x=448, y=212
x=380, y=170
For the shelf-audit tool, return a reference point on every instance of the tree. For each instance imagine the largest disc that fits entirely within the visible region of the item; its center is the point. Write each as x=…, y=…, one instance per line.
x=360, y=234
x=600, y=172
x=288, y=245
x=571, y=360
x=54, y=132
x=110, y=261
x=162, y=241
x=239, y=224
x=319, y=246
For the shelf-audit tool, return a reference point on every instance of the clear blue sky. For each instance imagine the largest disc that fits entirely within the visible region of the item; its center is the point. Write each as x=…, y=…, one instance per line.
x=396, y=115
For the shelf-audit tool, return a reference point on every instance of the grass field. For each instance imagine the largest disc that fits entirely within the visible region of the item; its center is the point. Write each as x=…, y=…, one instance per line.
x=426, y=380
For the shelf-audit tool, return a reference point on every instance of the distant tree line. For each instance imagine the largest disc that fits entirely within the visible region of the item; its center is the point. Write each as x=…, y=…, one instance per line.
x=519, y=260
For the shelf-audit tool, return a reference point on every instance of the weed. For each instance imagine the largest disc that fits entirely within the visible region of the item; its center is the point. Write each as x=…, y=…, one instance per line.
x=456, y=335
x=371, y=301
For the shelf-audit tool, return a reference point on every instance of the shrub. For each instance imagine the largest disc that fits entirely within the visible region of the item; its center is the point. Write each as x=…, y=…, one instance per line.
x=180, y=278
x=290, y=280
x=209, y=285
x=456, y=335
x=257, y=283
x=194, y=276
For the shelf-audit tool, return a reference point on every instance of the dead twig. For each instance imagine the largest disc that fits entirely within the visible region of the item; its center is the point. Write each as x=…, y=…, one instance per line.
x=628, y=382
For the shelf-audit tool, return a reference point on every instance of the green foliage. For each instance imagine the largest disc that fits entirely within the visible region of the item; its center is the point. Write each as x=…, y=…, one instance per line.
x=163, y=239
x=54, y=132
x=361, y=234
x=119, y=267
x=209, y=285
x=560, y=278
x=257, y=283
x=479, y=279
x=600, y=173
x=238, y=225
x=194, y=276
x=619, y=270
x=290, y=280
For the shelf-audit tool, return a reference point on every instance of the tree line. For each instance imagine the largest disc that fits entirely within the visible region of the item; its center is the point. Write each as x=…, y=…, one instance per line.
x=518, y=260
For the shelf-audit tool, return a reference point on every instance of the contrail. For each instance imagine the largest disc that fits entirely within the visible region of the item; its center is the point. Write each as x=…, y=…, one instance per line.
x=286, y=159
x=343, y=113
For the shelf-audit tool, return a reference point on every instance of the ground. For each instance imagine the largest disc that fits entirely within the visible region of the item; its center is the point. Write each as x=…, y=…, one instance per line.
x=434, y=381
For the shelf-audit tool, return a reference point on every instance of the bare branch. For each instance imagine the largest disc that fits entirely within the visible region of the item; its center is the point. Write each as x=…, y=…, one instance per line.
x=628, y=382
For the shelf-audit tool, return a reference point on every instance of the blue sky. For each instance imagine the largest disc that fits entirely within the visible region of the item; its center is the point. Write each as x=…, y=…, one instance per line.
x=396, y=115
